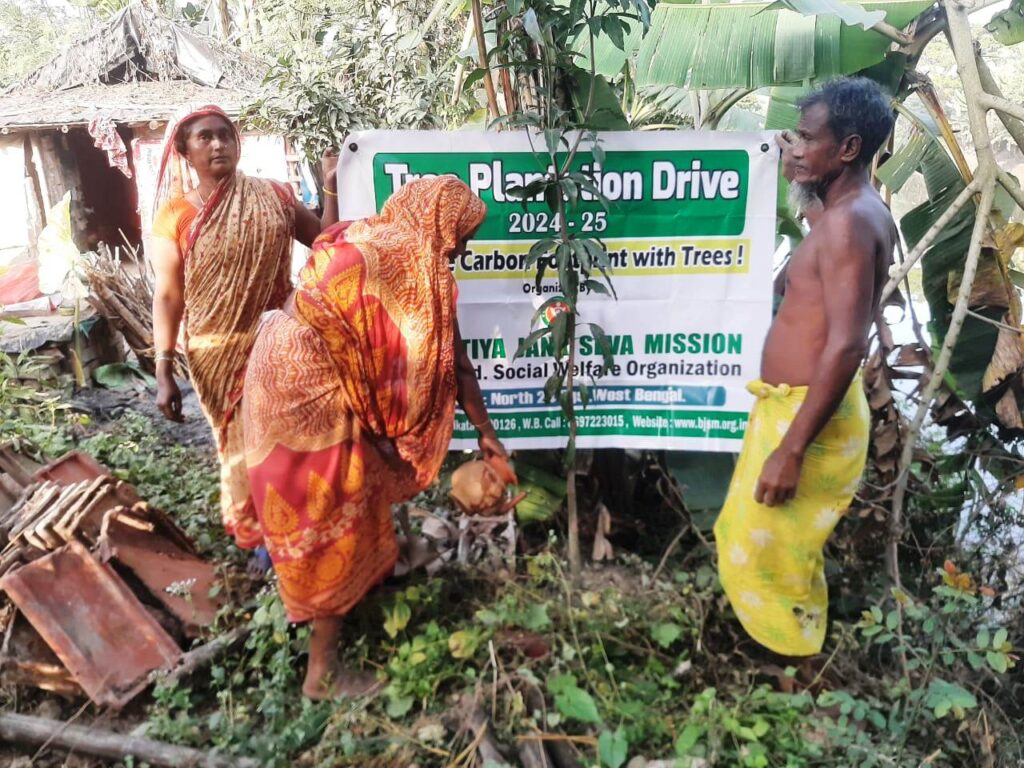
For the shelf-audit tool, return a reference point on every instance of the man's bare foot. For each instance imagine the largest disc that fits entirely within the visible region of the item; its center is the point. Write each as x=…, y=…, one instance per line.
x=339, y=682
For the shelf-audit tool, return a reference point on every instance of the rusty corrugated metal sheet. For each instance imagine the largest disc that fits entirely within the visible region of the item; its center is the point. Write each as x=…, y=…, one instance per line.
x=92, y=621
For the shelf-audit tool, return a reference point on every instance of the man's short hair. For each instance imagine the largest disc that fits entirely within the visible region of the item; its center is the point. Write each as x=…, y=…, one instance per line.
x=856, y=105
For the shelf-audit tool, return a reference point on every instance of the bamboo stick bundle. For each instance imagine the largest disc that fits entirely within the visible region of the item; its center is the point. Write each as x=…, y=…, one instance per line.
x=122, y=291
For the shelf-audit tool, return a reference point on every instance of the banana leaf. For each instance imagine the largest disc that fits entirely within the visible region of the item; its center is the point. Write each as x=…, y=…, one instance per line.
x=750, y=45
x=1007, y=27
x=849, y=13
x=944, y=260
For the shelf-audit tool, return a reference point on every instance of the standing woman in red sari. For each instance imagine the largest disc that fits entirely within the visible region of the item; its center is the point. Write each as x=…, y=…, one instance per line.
x=221, y=253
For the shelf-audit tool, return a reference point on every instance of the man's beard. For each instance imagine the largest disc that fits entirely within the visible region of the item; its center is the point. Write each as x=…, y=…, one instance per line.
x=804, y=196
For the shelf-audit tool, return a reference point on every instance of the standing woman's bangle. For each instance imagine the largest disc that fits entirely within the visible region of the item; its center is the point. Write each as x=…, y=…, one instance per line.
x=486, y=422
x=329, y=193
x=165, y=355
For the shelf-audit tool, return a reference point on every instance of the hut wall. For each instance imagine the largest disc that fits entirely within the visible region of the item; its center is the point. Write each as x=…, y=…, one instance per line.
x=15, y=211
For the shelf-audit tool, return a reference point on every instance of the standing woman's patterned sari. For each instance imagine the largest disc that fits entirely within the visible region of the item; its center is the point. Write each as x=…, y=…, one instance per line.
x=236, y=252
x=349, y=404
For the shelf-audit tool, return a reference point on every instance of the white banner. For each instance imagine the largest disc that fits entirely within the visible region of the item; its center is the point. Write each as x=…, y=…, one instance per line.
x=690, y=232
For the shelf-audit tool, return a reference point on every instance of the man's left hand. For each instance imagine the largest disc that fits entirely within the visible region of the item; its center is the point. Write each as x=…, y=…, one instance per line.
x=779, y=478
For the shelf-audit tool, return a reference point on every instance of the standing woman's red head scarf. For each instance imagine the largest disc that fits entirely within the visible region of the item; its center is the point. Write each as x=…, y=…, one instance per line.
x=176, y=178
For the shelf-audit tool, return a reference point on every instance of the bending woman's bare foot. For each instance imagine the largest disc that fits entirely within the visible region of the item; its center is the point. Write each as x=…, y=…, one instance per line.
x=325, y=677
x=338, y=683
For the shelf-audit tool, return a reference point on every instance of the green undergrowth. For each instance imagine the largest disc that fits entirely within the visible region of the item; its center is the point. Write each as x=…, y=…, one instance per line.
x=633, y=661
x=623, y=665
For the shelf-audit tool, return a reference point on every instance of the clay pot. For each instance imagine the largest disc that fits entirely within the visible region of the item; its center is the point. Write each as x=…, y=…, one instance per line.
x=477, y=489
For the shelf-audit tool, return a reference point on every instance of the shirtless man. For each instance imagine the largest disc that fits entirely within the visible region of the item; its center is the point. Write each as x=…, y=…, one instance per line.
x=806, y=443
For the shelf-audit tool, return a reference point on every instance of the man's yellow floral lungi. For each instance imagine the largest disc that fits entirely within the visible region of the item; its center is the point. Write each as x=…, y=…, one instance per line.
x=770, y=559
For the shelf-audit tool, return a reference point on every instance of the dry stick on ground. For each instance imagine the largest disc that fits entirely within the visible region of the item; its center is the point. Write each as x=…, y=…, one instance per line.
x=23, y=729
x=199, y=657
x=986, y=175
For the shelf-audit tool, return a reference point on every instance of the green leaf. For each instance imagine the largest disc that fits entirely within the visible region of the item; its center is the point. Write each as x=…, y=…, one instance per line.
x=526, y=344
x=613, y=27
x=688, y=739
x=553, y=197
x=537, y=250
x=396, y=619
x=399, y=706
x=584, y=394
x=577, y=704
x=997, y=661
x=983, y=638
x=666, y=634
x=1007, y=27
x=570, y=191
x=536, y=618
x=121, y=376
x=603, y=344
x=570, y=453
x=1000, y=639
x=552, y=387
x=551, y=139
x=748, y=45
x=560, y=333
x=849, y=13
x=613, y=748
x=943, y=696
x=463, y=644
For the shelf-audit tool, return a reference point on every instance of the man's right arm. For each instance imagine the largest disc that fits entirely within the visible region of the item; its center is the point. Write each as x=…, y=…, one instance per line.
x=168, y=308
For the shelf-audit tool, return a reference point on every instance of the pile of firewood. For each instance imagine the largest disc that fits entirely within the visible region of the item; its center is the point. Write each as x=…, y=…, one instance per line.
x=121, y=290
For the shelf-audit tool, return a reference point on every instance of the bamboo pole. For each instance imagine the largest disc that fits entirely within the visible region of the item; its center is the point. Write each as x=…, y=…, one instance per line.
x=481, y=44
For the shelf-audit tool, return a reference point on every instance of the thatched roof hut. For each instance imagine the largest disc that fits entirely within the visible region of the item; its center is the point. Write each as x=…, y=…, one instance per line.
x=92, y=121
x=135, y=67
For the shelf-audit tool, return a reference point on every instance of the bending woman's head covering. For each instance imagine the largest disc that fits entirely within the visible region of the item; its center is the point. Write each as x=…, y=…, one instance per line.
x=176, y=178
x=437, y=213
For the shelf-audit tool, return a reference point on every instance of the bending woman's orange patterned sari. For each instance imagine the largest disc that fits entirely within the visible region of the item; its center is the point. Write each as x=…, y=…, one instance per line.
x=349, y=405
x=237, y=266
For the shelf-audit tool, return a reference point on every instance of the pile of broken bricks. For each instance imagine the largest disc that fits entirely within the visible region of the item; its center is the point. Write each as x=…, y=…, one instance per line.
x=103, y=588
